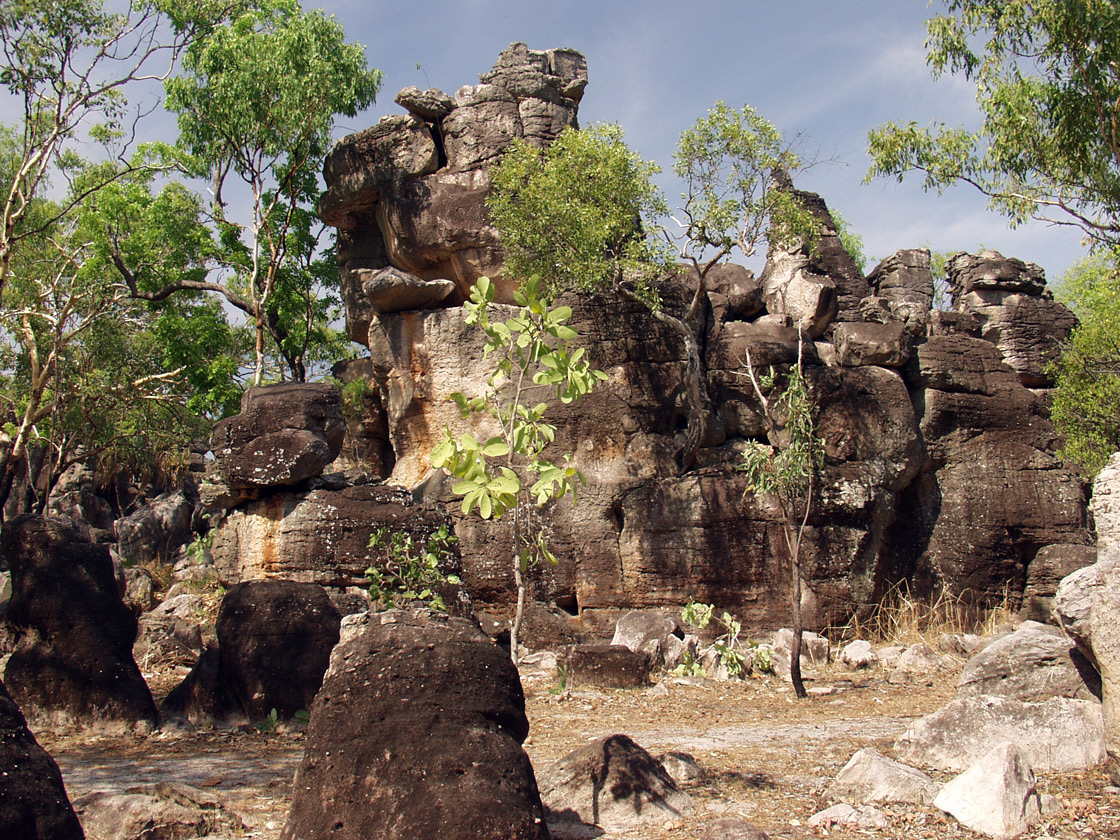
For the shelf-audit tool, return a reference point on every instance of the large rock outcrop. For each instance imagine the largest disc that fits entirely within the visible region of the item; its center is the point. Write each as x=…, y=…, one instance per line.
x=940, y=463
x=409, y=193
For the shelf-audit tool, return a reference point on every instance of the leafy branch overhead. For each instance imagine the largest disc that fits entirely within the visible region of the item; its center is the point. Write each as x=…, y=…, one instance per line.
x=1048, y=88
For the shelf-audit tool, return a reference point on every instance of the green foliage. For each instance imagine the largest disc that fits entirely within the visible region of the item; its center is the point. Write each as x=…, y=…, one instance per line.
x=508, y=472
x=533, y=351
x=258, y=99
x=572, y=213
x=1086, y=406
x=851, y=241
x=269, y=723
x=731, y=162
x=1047, y=84
x=725, y=645
x=785, y=469
x=402, y=574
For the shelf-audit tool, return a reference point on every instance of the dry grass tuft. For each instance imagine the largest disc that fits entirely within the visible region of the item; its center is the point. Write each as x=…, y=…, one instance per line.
x=903, y=619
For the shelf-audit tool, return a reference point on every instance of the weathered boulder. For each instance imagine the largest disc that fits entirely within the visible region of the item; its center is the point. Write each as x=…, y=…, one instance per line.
x=406, y=742
x=414, y=186
x=75, y=495
x=792, y=289
x=1015, y=310
x=392, y=290
x=904, y=281
x=733, y=828
x=734, y=293
x=1033, y=664
x=612, y=783
x=284, y=435
x=865, y=343
x=163, y=811
x=1087, y=607
x=164, y=641
x=275, y=639
x=1045, y=573
x=871, y=777
x=996, y=795
x=825, y=257
x=1105, y=504
x=321, y=536
x=73, y=664
x=606, y=666
x=33, y=801
x=858, y=655
x=1057, y=735
x=648, y=632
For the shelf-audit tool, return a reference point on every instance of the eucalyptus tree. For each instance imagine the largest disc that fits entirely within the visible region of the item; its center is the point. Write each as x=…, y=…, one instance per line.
x=69, y=64
x=257, y=100
x=1048, y=88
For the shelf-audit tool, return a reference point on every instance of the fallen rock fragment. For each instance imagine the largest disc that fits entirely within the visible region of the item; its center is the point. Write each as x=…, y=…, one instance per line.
x=995, y=796
x=612, y=783
x=164, y=811
x=843, y=814
x=871, y=777
x=1058, y=735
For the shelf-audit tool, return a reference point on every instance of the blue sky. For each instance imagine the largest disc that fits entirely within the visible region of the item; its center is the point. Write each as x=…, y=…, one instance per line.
x=823, y=71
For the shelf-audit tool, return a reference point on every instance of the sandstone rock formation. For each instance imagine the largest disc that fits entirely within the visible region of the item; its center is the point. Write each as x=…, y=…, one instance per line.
x=940, y=463
x=416, y=733
x=409, y=193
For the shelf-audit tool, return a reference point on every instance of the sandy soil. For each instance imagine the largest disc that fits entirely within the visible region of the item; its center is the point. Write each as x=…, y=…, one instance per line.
x=767, y=756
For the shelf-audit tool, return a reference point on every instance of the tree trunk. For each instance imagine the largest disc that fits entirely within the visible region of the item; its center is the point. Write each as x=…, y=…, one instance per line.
x=795, y=652
x=519, y=614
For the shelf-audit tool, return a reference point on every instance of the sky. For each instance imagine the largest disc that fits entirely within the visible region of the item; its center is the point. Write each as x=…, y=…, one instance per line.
x=823, y=71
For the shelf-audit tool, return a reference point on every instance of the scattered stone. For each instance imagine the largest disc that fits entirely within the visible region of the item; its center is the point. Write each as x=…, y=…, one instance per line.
x=731, y=828
x=163, y=811
x=682, y=768
x=959, y=644
x=843, y=814
x=996, y=795
x=871, y=777
x=648, y=632
x=139, y=591
x=606, y=666
x=613, y=783
x=1057, y=735
x=73, y=663
x=33, y=802
x=815, y=649
x=858, y=655
x=406, y=742
x=164, y=641
x=186, y=606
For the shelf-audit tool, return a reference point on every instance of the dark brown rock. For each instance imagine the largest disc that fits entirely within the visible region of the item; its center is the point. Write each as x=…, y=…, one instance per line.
x=1049, y=566
x=606, y=666
x=275, y=639
x=859, y=344
x=284, y=434
x=33, y=801
x=321, y=536
x=204, y=697
x=416, y=733
x=73, y=663
x=997, y=492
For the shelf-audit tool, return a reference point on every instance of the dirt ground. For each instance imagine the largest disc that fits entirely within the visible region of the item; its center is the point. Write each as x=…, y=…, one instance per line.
x=767, y=757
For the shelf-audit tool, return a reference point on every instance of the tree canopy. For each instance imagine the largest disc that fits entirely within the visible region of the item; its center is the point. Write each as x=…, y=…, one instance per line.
x=1048, y=87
